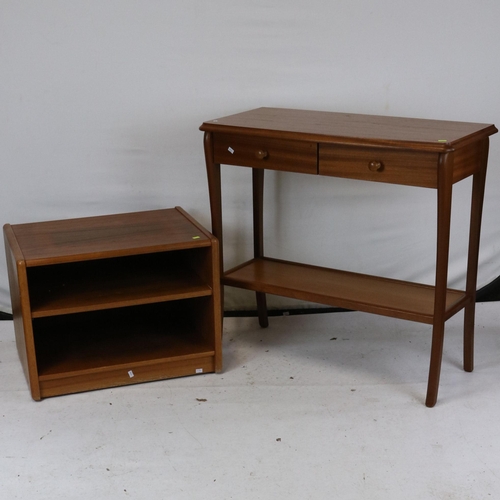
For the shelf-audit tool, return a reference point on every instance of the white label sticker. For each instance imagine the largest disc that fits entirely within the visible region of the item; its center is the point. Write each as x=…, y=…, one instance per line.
x=231, y=150
x=199, y=370
x=131, y=374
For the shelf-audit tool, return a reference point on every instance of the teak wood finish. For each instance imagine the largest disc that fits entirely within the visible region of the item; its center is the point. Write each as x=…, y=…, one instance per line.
x=415, y=152
x=114, y=300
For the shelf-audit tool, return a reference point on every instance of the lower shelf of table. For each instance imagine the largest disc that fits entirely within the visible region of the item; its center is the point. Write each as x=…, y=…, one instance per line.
x=360, y=292
x=80, y=352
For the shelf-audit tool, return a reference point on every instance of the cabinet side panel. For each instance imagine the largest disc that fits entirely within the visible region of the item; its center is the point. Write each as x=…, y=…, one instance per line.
x=18, y=283
x=205, y=262
x=217, y=304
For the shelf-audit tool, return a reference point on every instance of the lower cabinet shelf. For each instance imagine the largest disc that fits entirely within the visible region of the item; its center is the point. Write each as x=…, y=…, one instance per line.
x=361, y=292
x=100, y=340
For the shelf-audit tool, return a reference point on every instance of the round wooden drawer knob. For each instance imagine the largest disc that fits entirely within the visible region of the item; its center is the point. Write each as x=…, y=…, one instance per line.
x=376, y=166
x=261, y=154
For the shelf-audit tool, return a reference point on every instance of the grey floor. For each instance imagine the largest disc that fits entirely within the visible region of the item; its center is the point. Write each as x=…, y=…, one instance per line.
x=315, y=407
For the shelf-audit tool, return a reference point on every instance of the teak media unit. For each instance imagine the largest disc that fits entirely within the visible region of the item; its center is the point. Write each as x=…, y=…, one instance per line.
x=425, y=153
x=114, y=300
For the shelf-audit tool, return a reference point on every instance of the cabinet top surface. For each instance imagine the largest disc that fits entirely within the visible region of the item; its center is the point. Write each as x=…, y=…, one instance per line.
x=104, y=236
x=356, y=129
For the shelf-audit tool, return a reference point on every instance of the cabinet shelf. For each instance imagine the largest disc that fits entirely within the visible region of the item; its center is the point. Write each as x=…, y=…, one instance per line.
x=102, y=339
x=388, y=297
x=109, y=283
x=116, y=346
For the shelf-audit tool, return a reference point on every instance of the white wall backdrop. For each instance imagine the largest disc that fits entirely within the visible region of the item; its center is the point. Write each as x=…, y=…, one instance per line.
x=101, y=100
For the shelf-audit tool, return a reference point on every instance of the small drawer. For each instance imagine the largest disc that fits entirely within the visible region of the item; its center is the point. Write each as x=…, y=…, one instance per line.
x=264, y=152
x=411, y=168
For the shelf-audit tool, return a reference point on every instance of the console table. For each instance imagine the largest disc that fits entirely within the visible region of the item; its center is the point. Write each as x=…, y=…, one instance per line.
x=415, y=152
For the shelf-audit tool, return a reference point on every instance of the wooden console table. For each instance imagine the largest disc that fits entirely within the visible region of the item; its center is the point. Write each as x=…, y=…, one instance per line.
x=425, y=153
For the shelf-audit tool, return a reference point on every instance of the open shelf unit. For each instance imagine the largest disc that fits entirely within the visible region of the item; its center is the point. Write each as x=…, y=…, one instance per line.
x=114, y=300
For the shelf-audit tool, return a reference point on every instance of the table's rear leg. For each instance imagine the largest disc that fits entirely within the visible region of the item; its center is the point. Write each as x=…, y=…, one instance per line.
x=478, y=184
x=258, y=236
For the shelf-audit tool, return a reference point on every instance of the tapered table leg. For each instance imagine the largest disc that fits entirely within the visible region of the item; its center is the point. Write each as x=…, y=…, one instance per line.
x=478, y=184
x=215, y=196
x=258, y=236
x=444, y=198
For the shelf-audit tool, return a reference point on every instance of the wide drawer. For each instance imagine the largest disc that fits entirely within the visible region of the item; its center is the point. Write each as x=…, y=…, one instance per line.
x=412, y=168
x=264, y=152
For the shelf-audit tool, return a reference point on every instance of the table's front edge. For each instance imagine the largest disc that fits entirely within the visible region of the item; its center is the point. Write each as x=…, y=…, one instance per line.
x=437, y=147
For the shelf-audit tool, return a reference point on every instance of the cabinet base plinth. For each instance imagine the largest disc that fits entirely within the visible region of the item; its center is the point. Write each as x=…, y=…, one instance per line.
x=120, y=376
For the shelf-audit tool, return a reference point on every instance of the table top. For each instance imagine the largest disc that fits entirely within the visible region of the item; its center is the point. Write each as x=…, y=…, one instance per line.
x=356, y=129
